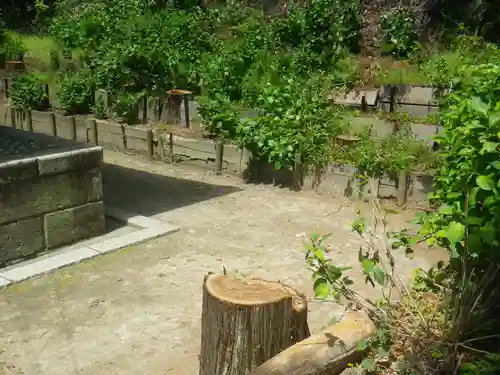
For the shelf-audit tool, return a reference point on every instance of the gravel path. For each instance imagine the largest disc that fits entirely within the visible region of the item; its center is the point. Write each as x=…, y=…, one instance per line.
x=137, y=311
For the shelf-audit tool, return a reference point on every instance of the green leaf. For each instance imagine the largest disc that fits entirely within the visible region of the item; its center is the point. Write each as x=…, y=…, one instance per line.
x=455, y=232
x=485, y=182
x=368, y=364
x=479, y=106
x=490, y=146
x=368, y=265
x=495, y=164
x=361, y=345
x=321, y=288
x=379, y=275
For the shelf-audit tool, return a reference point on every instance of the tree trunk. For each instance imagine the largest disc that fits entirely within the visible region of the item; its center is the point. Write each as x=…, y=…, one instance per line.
x=326, y=353
x=246, y=322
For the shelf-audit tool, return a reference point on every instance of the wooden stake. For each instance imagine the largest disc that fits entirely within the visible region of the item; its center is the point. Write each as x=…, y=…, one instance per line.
x=52, y=120
x=219, y=156
x=186, y=110
x=171, y=147
x=29, y=121
x=94, y=135
x=72, y=128
x=246, y=322
x=13, y=117
x=402, y=190
x=149, y=137
x=297, y=172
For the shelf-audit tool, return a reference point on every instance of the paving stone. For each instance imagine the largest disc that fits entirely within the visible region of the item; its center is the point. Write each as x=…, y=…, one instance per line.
x=133, y=238
x=27, y=271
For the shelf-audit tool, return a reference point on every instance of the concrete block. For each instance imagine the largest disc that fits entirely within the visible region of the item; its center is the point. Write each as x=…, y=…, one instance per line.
x=63, y=126
x=133, y=238
x=86, y=158
x=21, y=239
x=415, y=110
x=82, y=133
x=424, y=132
x=379, y=127
x=15, y=170
x=73, y=224
x=42, y=266
x=48, y=194
x=352, y=98
x=42, y=122
x=131, y=218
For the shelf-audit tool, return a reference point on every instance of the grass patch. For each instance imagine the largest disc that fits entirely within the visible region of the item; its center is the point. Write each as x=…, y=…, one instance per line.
x=38, y=47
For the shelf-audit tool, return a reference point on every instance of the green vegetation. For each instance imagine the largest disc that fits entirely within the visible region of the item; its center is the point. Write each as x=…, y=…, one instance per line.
x=448, y=321
x=284, y=67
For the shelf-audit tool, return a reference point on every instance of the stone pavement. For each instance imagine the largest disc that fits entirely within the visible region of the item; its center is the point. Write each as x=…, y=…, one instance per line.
x=137, y=310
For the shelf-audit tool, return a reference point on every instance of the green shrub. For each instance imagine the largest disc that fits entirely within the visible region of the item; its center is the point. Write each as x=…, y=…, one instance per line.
x=76, y=92
x=399, y=33
x=12, y=47
x=126, y=106
x=219, y=116
x=28, y=92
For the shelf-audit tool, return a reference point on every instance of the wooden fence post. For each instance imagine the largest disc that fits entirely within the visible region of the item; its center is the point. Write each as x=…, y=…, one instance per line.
x=6, y=88
x=13, y=117
x=53, y=123
x=297, y=172
x=402, y=188
x=92, y=125
x=219, y=156
x=171, y=147
x=29, y=121
x=72, y=127
x=149, y=137
x=186, y=110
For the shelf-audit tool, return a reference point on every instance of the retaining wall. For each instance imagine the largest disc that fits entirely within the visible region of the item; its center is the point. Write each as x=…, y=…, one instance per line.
x=202, y=152
x=50, y=193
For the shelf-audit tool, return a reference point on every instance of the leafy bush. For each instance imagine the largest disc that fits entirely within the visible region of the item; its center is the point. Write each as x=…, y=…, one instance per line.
x=399, y=32
x=219, y=116
x=12, y=47
x=27, y=92
x=291, y=119
x=126, y=106
x=76, y=92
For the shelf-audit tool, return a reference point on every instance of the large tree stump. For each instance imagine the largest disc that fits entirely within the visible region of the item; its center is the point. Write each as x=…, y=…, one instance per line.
x=246, y=322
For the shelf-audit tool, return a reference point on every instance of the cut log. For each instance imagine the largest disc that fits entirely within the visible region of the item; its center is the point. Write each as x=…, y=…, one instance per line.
x=326, y=353
x=246, y=322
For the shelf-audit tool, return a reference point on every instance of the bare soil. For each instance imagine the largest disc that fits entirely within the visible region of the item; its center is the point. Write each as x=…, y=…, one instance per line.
x=137, y=311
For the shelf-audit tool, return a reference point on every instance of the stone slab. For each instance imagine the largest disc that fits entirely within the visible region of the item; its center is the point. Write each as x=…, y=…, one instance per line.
x=48, y=194
x=21, y=239
x=86, y=158
x=29, y=270
x=18, y=170
x=133, y=238
x=4, y=282
x=131, y=218
x=73, y=224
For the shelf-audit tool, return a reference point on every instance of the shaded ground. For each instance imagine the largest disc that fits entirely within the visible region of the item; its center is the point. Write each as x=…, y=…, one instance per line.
x=137, y=311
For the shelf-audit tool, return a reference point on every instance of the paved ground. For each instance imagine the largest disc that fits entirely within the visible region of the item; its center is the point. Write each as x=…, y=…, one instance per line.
x=137, y=311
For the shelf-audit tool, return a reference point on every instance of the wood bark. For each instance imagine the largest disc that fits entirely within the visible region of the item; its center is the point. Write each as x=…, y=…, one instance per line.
x=326, y=353
x=246, y=322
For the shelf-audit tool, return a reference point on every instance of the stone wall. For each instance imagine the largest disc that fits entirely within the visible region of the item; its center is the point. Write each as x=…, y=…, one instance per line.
x=50, y=193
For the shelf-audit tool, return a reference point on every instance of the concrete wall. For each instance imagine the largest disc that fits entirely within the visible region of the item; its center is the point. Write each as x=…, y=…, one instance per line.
x=50, y=195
